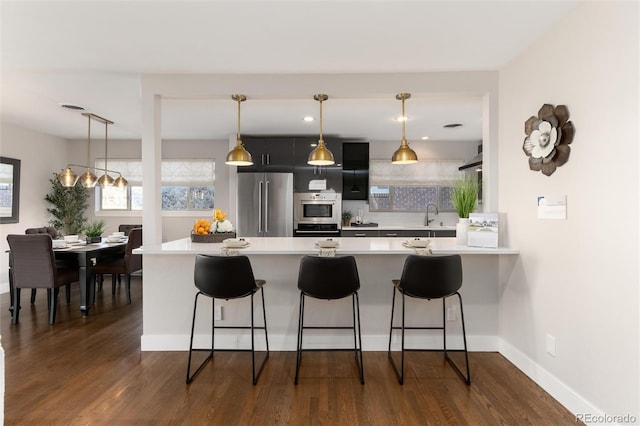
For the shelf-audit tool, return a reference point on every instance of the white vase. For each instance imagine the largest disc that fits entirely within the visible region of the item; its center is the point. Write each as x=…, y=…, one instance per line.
x=462, y=228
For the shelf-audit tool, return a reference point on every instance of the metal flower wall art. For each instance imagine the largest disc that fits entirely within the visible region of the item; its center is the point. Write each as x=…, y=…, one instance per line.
x=548, y=138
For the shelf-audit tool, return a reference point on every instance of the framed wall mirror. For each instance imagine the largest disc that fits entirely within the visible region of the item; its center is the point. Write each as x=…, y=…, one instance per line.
x=9, y=190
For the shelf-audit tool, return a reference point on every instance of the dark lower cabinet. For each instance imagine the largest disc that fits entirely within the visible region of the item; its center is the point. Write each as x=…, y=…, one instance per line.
x=405, y=233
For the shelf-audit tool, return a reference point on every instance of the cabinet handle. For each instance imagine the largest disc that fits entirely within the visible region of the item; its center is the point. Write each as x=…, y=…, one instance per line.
x=360, y=235
x=262, y=159
x=268, y=158
x=391, y=235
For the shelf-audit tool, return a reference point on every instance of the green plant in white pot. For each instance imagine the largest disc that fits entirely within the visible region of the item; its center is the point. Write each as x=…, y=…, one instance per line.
x=464, y=197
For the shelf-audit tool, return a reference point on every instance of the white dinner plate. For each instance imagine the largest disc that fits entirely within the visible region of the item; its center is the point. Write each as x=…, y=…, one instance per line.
x=327, y=243
x=235, y=243
x=416, y=243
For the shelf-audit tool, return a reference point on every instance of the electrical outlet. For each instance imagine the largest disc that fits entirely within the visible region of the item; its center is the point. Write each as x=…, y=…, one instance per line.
x=217, y=313
x=551, y=345
x=452, y=314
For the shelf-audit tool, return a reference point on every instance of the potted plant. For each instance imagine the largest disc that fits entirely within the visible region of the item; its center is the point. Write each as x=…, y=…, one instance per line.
x=463, y=197
x=67, y=207
x=93, y=231
x=346, y=218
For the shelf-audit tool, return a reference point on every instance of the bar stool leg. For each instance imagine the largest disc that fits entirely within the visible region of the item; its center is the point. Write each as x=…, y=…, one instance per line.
x=399, y=371
x=210, y=356
x=467, y=378
x=299, y=346
x=358, y=342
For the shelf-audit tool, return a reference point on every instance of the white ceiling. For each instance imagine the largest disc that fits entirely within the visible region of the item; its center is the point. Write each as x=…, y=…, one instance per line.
x=93, y=53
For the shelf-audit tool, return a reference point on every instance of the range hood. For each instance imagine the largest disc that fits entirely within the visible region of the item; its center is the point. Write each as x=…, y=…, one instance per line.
x=474, y=162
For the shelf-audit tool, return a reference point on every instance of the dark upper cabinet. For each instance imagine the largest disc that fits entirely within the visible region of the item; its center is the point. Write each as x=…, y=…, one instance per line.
x=273, y=154
x=355, y=170
x=304, y=173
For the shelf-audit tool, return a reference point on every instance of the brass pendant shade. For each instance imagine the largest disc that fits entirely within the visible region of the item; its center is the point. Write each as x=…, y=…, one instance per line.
x=68, y=178
x=404, y=154
x=239, y=156
x=321, y=156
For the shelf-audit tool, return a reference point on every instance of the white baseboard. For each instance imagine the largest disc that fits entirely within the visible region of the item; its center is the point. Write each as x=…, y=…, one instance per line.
x=566, y=396
x=281, y=342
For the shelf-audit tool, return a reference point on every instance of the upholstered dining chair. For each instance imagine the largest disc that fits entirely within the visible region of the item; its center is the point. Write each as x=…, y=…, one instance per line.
x=126, y=228
x=429, y=277
x=330, y=278
x=33, y=266
x=125, y=265
x=227, y=277
x=53, y=233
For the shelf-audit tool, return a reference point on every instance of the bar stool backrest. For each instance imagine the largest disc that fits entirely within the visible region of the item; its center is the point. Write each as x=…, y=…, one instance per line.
x=224, y=277
x=33, y=263
x=328, y=278
x=431, y=277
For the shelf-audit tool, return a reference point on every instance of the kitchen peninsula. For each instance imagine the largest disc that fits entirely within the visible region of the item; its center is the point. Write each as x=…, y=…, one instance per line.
x=169, y=292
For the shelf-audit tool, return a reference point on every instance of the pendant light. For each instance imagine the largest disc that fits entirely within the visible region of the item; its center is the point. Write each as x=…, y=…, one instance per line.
x=320, y=156
x=404, y=154
x=239, y=156
x=88, y=179
x=105, y=180
x=67, y=177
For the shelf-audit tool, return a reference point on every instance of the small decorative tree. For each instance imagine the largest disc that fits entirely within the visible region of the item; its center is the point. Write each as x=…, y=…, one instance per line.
x=68, y=207
x=464, y=196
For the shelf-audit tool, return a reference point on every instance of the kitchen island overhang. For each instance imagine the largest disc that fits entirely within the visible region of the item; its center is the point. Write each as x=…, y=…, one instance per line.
x=168, y=292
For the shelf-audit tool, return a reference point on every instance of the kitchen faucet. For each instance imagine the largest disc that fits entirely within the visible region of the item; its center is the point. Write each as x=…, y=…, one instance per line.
x=427, y=221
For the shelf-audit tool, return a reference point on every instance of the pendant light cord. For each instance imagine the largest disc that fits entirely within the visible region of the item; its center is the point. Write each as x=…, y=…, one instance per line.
x=89, y=144
x=238, y=134
x=404, y=120
x=106, y=143
x=321, y=140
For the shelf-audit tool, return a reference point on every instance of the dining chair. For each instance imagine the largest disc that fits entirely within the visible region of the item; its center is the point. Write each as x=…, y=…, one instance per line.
x=330, y=278
x=429, y=277
x=33, y=266
x=53, y=233
x=227, y=277
x=125, y=264
x=126, y=228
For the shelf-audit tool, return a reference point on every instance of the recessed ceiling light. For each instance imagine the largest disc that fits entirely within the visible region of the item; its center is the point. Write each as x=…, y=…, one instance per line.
x=424, y=138
x=308, y=118
x=402, y=118
x=452, y=125
x=71, y=107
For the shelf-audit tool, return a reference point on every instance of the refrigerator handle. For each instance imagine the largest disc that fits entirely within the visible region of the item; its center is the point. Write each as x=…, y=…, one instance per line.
x=260, y=206
x=266, y=207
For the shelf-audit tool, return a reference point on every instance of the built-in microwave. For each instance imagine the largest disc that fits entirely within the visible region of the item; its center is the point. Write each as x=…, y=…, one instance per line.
x=317, y=208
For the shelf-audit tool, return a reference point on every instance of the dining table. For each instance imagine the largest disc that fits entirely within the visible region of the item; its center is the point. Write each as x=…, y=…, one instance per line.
x=83, y=256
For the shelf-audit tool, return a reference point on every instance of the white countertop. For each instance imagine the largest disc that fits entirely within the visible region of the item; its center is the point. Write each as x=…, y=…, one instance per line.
x=303, y=246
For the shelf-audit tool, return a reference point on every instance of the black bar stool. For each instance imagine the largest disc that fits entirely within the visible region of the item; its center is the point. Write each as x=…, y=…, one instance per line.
x=330, y=278
x=429, y=277
x=227, y=277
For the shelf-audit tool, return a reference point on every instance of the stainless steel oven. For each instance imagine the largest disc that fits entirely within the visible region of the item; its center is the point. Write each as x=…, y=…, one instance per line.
x=317, y=213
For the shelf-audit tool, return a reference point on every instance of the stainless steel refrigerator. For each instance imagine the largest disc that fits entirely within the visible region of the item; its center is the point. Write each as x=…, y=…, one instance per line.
x=265, y=205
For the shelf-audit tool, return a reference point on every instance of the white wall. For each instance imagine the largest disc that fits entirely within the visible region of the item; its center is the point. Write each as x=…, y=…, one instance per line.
x=41, y=156
x=576, y=279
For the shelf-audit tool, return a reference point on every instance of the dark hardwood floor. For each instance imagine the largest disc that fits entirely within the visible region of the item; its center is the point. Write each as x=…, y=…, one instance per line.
x=91, y=371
